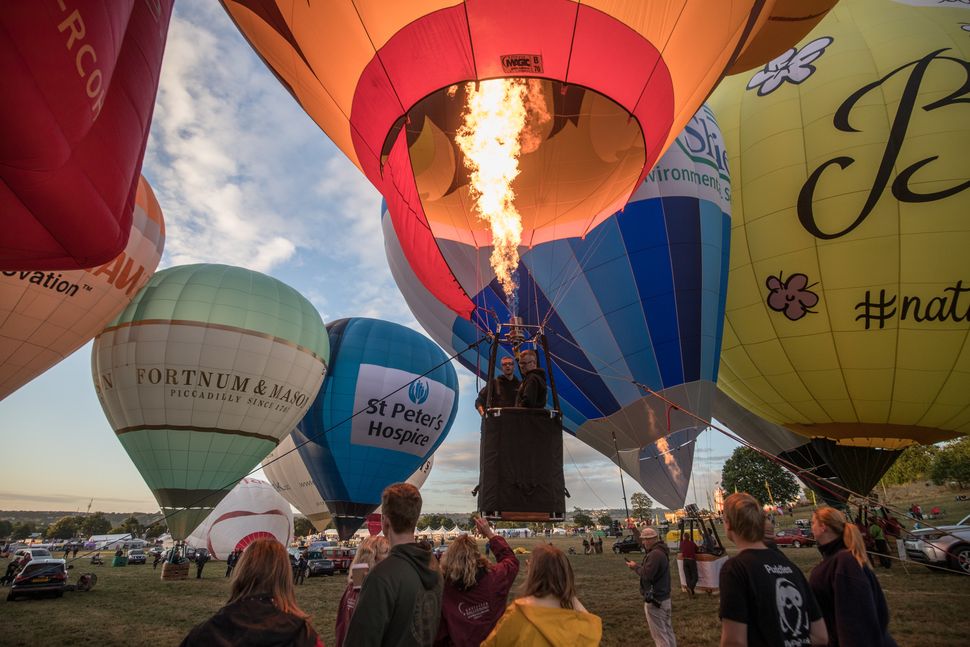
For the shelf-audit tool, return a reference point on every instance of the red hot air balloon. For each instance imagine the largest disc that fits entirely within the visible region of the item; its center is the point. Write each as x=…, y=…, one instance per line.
x=79, y=84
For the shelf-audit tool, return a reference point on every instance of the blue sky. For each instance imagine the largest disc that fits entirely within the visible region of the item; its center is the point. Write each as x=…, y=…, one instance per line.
x=244, y=177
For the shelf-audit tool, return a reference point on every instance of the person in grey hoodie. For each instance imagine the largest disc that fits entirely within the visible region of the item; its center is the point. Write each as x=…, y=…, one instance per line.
x=400, y=602
x=654, y=574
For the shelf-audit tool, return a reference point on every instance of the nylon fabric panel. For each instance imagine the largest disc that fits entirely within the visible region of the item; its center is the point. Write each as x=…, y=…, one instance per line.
x=46, y=317
x=81, y=82
x=838, y=237
x=289, y=476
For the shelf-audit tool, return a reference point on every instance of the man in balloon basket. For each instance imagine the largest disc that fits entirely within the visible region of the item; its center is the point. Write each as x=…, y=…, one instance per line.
x=521, y=451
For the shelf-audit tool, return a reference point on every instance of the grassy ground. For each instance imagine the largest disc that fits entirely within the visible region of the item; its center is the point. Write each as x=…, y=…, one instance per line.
x=132, y=606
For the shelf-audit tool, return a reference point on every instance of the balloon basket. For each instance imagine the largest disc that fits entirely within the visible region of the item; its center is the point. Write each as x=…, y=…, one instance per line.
x=172, y=572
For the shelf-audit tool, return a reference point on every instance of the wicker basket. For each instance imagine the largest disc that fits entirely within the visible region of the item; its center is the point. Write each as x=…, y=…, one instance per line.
x=172, y=572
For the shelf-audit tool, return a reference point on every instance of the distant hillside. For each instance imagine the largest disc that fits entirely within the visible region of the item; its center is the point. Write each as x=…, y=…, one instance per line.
x=47, y=517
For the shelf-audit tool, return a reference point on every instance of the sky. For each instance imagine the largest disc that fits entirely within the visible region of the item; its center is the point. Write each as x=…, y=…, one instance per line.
x=244, y=177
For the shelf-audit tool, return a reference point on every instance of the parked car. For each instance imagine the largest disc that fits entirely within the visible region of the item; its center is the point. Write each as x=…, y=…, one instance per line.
x=137, y=556
x=628, y=544
x=945, y=546
x=41, y=575
x=796, y=538
x=318, y=564
x=341, y=557
x=34, y=553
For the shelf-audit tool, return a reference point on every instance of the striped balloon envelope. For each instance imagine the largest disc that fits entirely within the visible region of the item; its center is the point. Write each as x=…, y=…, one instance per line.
x=46, y=316
x=619, y=81
x=639, y=300
x=202, y=375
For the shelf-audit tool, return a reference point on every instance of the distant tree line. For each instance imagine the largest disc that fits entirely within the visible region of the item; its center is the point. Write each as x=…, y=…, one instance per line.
x=944, y=463
x=72, y=526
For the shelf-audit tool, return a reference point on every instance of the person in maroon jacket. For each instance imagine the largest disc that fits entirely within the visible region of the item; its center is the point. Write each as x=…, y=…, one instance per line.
x=370, y=552
x=476, y=591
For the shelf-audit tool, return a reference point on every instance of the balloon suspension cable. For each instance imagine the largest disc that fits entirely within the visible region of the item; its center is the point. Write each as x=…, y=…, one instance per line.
x=319, y=434
x=626, y=508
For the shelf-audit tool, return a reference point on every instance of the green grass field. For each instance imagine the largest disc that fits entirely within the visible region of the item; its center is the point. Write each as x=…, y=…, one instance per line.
x=131, y=606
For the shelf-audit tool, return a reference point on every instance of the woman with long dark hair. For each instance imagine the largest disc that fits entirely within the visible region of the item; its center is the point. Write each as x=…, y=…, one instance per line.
x=262, y=608
x=852, y=602
x=548, y=613
x=476, y=591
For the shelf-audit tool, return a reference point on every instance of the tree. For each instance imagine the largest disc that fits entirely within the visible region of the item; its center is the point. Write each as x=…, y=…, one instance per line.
x=95, y=524
x=22, y=530
x=605, y=520
x=5, y=527
x=580, y=518
x=912, y=465
x=63, y=528
x=132, y=526
x=952, y=463
x=748, y=471
x=156, y=529
x=302, y=527
x=642, y=506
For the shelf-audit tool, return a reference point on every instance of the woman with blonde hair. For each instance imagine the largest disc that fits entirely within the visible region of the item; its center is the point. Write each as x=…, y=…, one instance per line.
x=476, y=591
x=262, y=608
x=370, y=551
x=852, y=602
x=548, y=614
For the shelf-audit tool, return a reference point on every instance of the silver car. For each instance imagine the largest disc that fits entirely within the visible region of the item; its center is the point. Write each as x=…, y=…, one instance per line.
x=945, y=546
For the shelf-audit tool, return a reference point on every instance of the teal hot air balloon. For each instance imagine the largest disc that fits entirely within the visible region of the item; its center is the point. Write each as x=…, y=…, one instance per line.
x=388, y=402
x=202, y=375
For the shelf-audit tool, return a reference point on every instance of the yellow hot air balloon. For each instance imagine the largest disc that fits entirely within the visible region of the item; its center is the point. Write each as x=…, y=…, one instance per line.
x=848, y=309
x=46, y=316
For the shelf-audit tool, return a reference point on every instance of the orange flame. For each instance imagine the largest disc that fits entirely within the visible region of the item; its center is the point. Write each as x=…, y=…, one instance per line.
x=499, y=124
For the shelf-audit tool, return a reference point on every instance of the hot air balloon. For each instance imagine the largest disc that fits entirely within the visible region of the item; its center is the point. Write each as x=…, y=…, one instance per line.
x=847, y=313
x=599, y=91
x=79, y=82
x=291, y=479
x=202, y=375
x=638, y=300
x=387, y=403
x=46, y=316
x=252, y=510
x=417, y=480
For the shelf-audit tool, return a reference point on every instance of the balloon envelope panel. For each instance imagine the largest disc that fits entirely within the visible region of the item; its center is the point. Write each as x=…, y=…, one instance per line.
x=847, y=308
x=46, y=316
x=253, y=509
x=290, y=477
x=202, y=375
x=80, y=80
x=388, y=402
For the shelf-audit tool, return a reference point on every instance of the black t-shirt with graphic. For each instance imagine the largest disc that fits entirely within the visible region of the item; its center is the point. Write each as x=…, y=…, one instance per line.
x=764, y=590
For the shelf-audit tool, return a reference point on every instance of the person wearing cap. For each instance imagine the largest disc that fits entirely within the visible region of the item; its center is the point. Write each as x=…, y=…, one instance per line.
x=654, y=572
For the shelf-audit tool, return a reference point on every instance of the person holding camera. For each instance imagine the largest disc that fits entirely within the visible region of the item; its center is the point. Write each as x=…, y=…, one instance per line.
x=654, y=572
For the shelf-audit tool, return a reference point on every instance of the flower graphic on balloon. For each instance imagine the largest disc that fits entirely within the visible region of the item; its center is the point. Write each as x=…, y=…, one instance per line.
x=793, y=66
x=792, y=296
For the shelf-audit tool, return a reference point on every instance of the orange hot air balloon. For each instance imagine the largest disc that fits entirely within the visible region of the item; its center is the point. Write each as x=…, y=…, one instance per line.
x=46, y=316
x=619, y=80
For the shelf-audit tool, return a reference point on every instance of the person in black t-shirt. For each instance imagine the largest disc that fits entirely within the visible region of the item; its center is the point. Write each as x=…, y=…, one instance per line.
x=765, y=598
